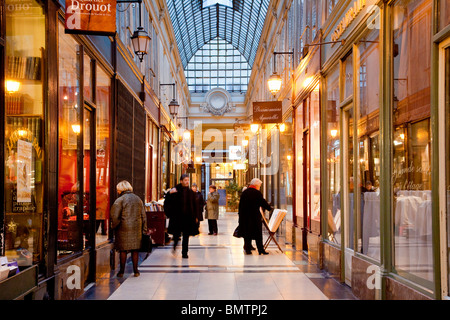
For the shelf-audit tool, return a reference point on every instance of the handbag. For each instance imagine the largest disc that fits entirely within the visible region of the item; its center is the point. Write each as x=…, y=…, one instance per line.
x=146, y=244
x=236, y=232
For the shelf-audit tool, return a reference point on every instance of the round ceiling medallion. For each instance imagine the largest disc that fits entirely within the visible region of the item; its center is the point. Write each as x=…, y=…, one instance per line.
x=217, y=102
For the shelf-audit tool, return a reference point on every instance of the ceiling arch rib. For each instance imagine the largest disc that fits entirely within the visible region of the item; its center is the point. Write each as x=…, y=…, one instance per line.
x=197, y=22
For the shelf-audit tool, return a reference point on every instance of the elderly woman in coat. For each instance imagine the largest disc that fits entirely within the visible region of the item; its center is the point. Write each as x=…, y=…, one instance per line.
x=250, y=219
x=212, y=209
x=129, y=223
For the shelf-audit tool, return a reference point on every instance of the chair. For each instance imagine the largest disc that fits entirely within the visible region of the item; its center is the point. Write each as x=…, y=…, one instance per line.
x=272, y=226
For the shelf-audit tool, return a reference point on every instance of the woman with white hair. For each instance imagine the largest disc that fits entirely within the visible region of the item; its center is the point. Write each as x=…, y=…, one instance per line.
x=250, y=220
x=129, y=223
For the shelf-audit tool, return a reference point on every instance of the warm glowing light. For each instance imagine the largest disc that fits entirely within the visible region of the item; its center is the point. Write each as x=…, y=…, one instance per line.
x=66, y=98
x=12, y=86
x=254, y=128
x=187, y=135
x=282, y=127
x=402, y=136
x=289, y=158
x=274, y=83
x=245, y=142
x=198, y=159
x=76, y=128
x=307, y=82
x=333, y=133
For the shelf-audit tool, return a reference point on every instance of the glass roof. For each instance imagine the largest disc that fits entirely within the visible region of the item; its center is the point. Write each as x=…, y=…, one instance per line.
x=218, y=65
x=197, y=22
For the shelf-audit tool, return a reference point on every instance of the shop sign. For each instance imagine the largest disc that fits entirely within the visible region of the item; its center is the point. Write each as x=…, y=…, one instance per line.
x=351, y=14
x=267, y=112
x=91, y=17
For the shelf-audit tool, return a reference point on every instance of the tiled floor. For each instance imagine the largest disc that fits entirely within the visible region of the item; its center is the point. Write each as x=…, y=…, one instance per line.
x=218, y=269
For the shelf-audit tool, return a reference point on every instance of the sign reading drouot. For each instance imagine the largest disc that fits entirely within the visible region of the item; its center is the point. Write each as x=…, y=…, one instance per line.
x=91, y=17
x=267, y=112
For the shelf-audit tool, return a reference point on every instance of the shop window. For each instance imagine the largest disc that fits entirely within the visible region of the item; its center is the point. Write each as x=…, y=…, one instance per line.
x=446, y=98
x=87, y=78
x=347, y=77
x=286, y=166
x=298, y=165
x=103, y=97
x=24, y=145
x=333, y=158
x=412, y=140
x=70, y=213
x=368, y=163
x=444, y=14
x=315, y=160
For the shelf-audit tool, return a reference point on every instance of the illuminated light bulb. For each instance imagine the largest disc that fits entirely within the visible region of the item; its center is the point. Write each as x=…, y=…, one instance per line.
x=76, y=128
x=274, y=83
x=12, y=86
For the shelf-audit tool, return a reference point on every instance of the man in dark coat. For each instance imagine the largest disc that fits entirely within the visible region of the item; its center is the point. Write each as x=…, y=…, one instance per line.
x=250, y=219
x=180, y=206
x=200, y=202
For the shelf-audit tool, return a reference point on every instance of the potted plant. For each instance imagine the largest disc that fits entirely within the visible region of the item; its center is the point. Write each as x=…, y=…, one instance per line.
x=233, y=195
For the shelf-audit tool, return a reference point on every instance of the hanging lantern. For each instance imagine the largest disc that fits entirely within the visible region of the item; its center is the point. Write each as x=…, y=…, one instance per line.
x=140, y=41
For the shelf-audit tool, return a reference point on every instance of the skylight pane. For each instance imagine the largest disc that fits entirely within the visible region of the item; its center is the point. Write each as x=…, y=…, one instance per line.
x=208, y=3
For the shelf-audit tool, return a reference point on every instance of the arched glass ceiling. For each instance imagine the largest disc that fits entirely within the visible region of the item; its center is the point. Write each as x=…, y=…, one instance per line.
x=218, y=64
x=197, y=22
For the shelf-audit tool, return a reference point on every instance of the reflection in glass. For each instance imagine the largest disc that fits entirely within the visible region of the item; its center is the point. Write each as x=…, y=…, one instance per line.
x=87, y=78
x=447, y=153
x=69, y=238
x=24, y=145
x=368, y=210
x=347, y=76
x=333, y=158
x=349, y=183
x=444, y=14
x=411, y=140
x=286, y=167
x=87, y=118
x=103, y=93
x=315, y=160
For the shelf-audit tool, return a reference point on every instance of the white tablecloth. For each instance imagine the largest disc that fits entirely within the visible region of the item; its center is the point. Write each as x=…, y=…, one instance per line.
x=371, y=219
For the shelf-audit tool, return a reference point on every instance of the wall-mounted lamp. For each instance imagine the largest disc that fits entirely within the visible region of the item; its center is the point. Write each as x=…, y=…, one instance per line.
x=254, y=128
x=173, y=105
x=275, y=80
x=140, y=38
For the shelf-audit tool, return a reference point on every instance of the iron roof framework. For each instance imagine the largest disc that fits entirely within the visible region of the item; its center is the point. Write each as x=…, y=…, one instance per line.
x=195, y=25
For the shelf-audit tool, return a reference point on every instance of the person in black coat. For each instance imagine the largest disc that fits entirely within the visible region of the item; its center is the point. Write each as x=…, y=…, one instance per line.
x=180, y=206
x=200, y=202
x=250, y=219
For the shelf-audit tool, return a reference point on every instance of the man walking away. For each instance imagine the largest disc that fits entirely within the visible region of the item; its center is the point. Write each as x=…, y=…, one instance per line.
x=180, y=206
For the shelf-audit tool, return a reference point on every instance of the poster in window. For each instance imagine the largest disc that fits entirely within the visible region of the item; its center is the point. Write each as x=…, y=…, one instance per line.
x=24, y=154
x=91, y=17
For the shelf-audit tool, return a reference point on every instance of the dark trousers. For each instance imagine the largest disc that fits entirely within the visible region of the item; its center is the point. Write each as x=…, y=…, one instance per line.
x=248, y=243
x=212, y=224
x=184, y=243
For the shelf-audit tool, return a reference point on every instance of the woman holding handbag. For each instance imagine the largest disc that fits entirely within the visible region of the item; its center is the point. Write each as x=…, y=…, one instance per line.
x=129, y=223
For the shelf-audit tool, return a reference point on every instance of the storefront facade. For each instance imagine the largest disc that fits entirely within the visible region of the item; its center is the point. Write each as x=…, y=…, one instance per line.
x=381, y=97
x=367, y=88
x=78, y=113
